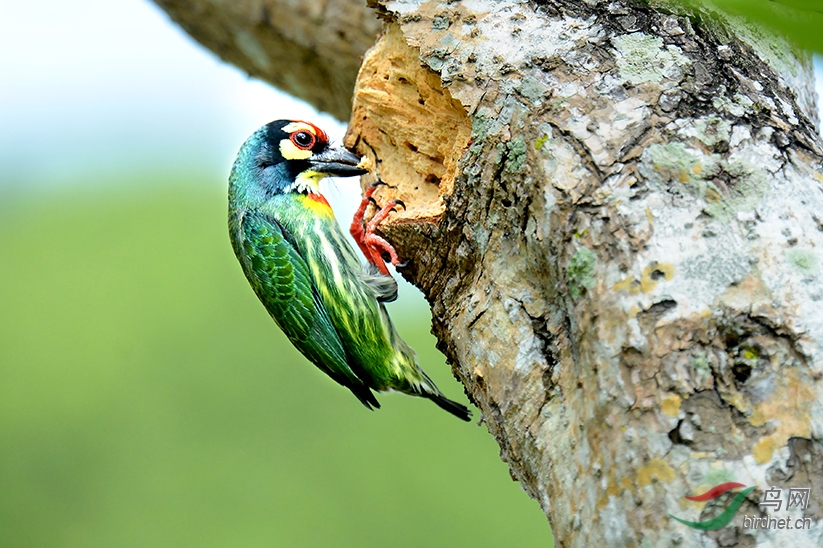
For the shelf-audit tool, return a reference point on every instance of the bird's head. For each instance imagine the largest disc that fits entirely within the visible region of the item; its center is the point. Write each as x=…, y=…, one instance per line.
x=287, y=156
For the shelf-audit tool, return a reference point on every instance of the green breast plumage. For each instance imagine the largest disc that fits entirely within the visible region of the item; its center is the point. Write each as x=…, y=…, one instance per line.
x=309, y=279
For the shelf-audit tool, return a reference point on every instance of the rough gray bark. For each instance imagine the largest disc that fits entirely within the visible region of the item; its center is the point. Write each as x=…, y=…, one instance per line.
x=309, y=49
x=623, y=266
x=614, y=211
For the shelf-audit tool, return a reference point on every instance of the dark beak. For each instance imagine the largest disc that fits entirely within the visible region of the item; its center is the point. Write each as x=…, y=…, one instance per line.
x=336, y=161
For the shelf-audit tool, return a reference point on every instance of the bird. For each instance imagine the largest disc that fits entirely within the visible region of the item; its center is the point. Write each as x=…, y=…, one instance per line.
x=293, y=252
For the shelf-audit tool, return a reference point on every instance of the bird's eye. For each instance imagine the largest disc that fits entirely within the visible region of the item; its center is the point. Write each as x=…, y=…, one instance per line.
x=303, y=139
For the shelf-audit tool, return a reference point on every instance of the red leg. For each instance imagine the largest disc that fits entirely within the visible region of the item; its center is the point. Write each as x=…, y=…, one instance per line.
x=370, y=243
x=358, y=225
x=378, y=245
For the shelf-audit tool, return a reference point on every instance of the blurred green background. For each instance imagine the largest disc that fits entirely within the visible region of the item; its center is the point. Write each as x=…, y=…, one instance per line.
x=798, y=20
x=146, y=398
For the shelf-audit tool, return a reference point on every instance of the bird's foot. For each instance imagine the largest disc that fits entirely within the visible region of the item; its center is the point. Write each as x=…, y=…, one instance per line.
x=375, y=243
x=372, y=245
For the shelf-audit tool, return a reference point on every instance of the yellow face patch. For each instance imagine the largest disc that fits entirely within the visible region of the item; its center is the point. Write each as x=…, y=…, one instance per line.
x=289, y=151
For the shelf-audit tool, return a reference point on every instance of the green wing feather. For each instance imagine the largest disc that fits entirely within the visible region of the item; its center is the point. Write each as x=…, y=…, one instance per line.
x=282, y=280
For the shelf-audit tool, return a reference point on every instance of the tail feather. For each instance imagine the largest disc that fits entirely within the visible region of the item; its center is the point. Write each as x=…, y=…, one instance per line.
x=460, y=411
x=366, y=396
x=427, y=389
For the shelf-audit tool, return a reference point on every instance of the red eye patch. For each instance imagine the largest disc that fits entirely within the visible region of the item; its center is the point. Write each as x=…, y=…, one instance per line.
x=303, y=140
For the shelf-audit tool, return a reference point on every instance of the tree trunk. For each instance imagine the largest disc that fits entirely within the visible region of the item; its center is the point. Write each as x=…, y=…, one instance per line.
x=308, y=48
x=615, y=212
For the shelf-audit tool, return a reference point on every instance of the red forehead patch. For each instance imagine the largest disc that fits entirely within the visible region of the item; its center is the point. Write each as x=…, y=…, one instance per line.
x=319, y=133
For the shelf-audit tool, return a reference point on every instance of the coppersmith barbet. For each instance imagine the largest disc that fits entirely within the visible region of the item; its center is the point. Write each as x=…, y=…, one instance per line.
x=305, y=272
